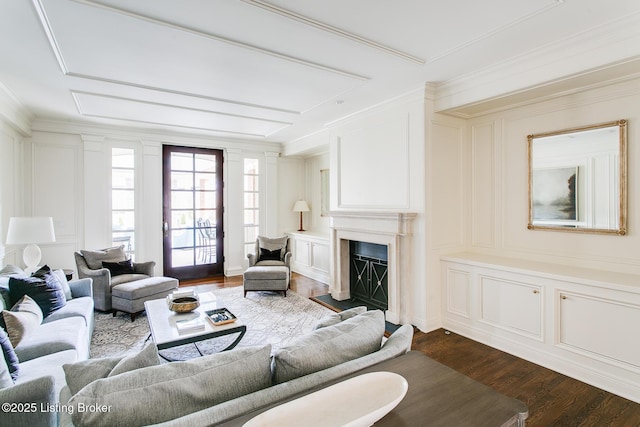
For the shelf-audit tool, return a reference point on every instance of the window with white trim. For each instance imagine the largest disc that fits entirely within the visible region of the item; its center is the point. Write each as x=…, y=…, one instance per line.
x=251, y=203
x=123, y=199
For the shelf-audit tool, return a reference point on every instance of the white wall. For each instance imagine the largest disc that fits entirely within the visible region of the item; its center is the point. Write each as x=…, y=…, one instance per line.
x=11, y=188
x=313, y=220
x=497, y=180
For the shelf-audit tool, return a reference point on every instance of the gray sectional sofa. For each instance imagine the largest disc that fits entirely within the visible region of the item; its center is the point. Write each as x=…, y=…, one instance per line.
x=216, y=388
x=63, y=387
x=63, y=337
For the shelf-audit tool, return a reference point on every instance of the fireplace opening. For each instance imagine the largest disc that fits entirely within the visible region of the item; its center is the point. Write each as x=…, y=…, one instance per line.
x=369, y=274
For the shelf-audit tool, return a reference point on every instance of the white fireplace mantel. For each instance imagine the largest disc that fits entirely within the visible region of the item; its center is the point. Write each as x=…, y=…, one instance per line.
x=392, y=229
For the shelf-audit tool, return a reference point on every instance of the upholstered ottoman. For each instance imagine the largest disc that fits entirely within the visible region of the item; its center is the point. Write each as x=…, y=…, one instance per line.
x=266, y=278
x=129, y=297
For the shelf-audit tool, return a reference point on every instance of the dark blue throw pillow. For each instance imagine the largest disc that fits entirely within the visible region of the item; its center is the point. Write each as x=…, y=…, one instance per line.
x=43, y=287
x=266, y=254
x=9, y=355
x=119, y=267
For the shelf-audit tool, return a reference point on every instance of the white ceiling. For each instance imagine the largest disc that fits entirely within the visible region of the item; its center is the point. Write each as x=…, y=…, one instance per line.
x=279, y=70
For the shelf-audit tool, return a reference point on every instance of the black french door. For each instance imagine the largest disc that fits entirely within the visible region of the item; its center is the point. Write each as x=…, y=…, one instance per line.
x=192, y=209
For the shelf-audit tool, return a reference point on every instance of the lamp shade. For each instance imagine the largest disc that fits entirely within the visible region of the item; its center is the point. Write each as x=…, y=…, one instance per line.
x=26, y=230
x=301, y=206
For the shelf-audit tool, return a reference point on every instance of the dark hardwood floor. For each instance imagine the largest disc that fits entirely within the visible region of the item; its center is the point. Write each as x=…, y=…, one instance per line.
x=553, y=399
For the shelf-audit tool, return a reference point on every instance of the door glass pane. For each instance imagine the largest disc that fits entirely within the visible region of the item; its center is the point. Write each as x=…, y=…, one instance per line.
x=205, y=199
x=181, y=181
x=205, y=163
x=182, y=219
x=182, y=257
x=208, y=217
x=182, y=161
x=181, y=200
x=182, y=238
x=205, y=181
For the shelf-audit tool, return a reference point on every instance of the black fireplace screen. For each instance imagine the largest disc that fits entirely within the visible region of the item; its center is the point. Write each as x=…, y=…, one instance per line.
x=369, y=274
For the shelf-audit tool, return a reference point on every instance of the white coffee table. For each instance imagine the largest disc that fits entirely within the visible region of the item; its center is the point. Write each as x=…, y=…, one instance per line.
x=162, y=323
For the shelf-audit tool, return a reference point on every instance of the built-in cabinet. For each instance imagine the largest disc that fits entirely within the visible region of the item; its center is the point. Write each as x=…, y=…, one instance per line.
x=580, y=322
x=310, y=254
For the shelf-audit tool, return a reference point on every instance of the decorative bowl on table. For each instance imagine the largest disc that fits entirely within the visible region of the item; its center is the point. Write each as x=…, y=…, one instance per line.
x=183, y=303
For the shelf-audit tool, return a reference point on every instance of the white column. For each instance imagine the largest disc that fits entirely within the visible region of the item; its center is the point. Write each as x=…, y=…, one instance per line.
x=149, y=215
x=233, y=218
x=270, y=204
x=97, y=209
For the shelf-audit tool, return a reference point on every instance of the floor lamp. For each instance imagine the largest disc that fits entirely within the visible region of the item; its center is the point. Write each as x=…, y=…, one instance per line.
x=30, y=231
x=301, y=206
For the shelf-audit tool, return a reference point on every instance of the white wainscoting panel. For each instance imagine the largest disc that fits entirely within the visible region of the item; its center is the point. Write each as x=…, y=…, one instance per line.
x=483, y=183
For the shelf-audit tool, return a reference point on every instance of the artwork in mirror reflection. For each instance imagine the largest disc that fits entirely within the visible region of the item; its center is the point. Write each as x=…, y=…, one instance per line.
x=555, y=194
x=577, y=179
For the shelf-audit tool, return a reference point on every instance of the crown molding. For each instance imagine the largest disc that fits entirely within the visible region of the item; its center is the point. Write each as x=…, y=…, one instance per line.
x=14, y=112
x=615, y=42
x=205, y=139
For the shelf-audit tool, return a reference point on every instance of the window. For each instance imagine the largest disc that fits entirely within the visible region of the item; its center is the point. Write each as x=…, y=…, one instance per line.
x=123, y=199
x=251, y=204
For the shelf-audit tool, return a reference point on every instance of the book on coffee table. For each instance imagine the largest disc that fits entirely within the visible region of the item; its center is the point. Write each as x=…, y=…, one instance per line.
x=220, y=316
x=190, y=325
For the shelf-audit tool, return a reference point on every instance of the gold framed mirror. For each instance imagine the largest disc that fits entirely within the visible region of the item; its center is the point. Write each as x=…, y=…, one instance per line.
x=578, y=179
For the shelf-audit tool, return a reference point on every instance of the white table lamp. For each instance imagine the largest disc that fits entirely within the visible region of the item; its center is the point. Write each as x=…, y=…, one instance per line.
x=30, y=231
x=301, y=206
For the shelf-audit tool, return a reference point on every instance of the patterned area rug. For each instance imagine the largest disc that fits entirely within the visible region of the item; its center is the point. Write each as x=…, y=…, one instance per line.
x=270, y=318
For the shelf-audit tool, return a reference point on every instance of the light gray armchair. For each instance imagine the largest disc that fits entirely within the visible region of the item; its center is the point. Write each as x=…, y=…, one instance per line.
x=89, y=265
x=265, y=252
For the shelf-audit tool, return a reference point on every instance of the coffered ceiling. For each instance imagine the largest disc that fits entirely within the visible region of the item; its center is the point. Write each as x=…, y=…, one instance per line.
x=278, y=70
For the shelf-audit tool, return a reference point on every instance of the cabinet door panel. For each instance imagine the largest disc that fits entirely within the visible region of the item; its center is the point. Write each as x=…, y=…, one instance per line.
x=600, y=326
x=301, y=254
x=320, y=257
x=458, y=283
x=511, y=305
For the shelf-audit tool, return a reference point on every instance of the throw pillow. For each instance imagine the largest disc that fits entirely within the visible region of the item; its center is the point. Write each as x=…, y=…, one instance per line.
x=94, y=259
x=28, y=305
x=273, y=244
x=10, y=358
x=19, y=325
x=148, y=356
x=330, y=346
x=80, y=374
x=336, y=318
x=266, y=254
x=12, y=270
x=62, y=278
x=42, y=286
x=119, y=267
x=170, y=390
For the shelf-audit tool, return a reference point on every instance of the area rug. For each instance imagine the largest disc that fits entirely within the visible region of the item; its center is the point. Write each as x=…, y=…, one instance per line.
x=270, y=318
